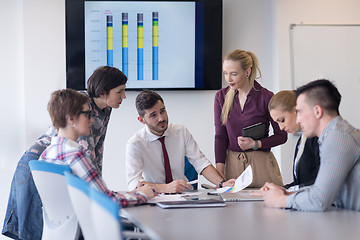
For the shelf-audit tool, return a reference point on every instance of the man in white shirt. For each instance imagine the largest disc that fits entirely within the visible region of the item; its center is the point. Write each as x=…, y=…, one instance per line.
x=147, y=157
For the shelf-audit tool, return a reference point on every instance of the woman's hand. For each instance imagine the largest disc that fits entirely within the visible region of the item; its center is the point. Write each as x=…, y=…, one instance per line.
x=245, y=143
x=147, y=190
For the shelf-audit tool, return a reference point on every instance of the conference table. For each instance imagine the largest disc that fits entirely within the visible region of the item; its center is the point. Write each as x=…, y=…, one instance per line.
x=244, y=220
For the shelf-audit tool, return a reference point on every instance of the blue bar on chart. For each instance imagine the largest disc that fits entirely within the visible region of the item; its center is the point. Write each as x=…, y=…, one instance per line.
x=140, y=46
x=109, y=38
x=155, y=50
x=125, y=44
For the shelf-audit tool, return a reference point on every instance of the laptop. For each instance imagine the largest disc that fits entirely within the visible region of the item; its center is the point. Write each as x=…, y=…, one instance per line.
x=192, y=203
x=241, y=196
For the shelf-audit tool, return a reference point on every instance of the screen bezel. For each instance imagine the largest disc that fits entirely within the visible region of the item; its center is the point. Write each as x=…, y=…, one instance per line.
x=208, y=54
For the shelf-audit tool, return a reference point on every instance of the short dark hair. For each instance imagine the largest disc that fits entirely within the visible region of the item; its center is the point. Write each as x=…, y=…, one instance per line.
x=64, y=103
x=105, y=78
x=145, y=100
x=321, y=92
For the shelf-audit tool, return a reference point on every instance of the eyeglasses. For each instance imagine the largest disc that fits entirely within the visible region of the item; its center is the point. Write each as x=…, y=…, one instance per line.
x=86, y=113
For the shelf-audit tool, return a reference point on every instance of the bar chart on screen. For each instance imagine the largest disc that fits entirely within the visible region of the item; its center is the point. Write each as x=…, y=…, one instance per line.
x=114, y=46
x=141, y=41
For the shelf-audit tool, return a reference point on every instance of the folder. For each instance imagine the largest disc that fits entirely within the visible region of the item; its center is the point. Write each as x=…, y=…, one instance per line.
x=242, y=196
x=256, y=131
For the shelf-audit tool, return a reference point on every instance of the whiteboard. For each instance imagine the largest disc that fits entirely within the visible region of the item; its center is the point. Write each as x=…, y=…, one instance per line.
x=331, y=52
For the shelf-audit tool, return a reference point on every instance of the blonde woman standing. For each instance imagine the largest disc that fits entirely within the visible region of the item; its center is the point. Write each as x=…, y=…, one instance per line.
x=241, y=104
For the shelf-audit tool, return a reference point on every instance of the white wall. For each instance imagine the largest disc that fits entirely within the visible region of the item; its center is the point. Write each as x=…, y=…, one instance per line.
x=12, y=124
x=11, y=76
x=32, y=65
x=44, y=60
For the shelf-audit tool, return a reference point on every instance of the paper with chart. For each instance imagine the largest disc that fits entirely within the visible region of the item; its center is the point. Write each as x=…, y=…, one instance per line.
x=244, y=180
x=174, y=197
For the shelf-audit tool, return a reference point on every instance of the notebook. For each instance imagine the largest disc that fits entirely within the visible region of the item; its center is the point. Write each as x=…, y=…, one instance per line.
x=256, y=131
x=241, y=196
x=192, y=203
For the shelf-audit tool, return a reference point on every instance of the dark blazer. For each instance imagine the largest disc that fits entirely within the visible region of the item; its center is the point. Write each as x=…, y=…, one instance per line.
x=308, y=165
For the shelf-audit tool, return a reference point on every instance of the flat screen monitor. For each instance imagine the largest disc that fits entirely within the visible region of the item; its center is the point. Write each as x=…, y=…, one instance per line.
x=170, y=45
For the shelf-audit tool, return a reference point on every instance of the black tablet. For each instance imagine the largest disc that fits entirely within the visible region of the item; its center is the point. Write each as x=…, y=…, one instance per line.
x=256, y=131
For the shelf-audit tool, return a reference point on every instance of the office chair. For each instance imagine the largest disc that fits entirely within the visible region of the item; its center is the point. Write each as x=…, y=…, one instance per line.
x=190, y=172
x=60, y=221
x=98, y=214
x=106, y=218
x=80, y=198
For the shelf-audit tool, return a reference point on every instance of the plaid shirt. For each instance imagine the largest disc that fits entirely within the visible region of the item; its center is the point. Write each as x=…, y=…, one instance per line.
x=66, y=151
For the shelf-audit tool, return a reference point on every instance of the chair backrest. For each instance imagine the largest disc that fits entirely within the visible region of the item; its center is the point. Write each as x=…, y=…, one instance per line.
x=50, y=182
x=106, y=217
x=190, y=172
x=80, y=199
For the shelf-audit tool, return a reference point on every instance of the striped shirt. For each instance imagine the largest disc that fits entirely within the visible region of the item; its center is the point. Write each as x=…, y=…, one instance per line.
x=65, y=151
x=338, y=180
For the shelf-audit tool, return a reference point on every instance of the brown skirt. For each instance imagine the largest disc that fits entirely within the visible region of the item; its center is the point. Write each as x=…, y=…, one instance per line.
x=263, y=164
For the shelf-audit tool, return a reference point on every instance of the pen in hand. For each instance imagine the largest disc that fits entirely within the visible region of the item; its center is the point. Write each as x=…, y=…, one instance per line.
x=193, y=182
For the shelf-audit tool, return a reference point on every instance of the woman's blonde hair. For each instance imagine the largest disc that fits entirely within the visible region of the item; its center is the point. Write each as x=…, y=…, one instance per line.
x=284, y=101
x=247, y=60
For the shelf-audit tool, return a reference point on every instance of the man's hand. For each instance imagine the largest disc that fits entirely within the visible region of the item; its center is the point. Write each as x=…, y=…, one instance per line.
x=245, y=143
x=229, y=183
x=177, y=186
x=274, y=195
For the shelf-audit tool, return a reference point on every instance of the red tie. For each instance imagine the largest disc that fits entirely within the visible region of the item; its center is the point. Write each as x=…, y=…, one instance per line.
x=168, y=175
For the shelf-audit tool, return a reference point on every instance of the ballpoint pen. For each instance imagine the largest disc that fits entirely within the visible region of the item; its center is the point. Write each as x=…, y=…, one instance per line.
x=193, y=182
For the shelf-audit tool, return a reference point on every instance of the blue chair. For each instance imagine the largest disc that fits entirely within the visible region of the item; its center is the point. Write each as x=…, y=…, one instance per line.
x=190, y=172
x=79, y=191
x=106, y=218
x=60, y=221
x=98, y=214
x=106, y=214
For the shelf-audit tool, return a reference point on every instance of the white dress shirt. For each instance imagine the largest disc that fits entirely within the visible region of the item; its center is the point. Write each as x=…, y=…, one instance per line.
x=145, y=160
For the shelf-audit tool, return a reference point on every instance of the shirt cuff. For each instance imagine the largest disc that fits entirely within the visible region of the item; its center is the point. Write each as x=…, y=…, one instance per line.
x=293, y=188
x=132, y=185
x=142, y=194
x=203, y=166
x=290, y=200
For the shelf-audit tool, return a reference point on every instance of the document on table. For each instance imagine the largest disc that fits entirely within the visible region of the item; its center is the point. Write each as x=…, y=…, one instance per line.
x=173, y=197
x=244, y=180
x=193, y=204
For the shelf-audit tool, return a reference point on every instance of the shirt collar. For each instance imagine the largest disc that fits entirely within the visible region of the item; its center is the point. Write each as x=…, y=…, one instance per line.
x=67, y=141
x=330, y=126
x=254, y=90
x=152, y=137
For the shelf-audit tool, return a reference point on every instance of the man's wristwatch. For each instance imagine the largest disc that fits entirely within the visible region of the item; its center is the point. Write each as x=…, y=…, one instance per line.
x=221, y=183
x=256, y=147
